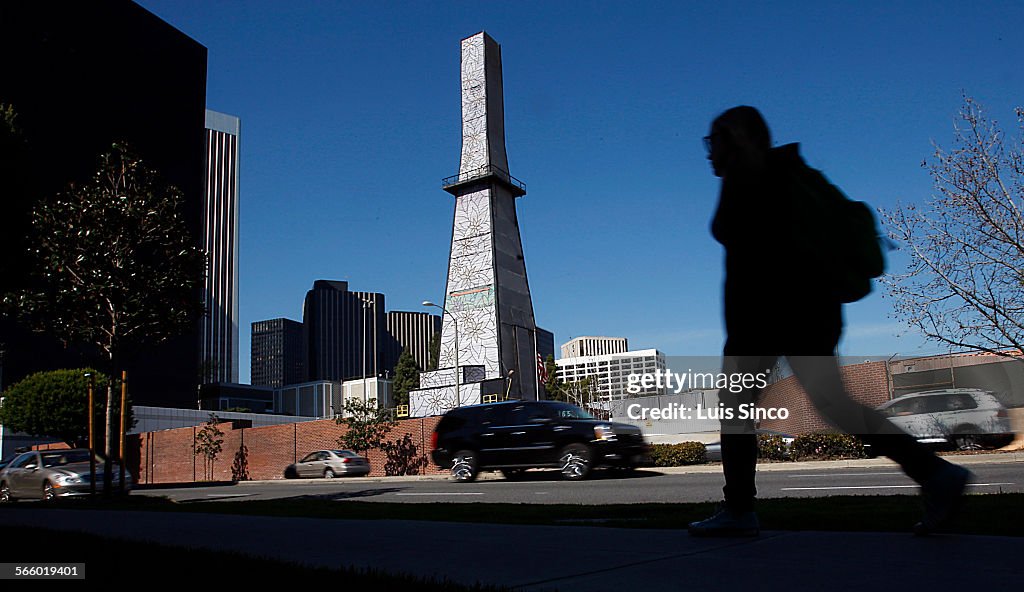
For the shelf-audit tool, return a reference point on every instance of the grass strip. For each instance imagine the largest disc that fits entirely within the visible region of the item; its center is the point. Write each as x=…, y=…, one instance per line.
x=986, y=514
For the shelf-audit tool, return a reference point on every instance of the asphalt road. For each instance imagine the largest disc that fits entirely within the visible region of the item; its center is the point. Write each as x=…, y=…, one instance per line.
x=643, y=486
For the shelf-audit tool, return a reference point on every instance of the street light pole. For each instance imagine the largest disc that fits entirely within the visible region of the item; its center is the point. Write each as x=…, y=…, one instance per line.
x=458, y=378
x=508, y=387
x=366, y=306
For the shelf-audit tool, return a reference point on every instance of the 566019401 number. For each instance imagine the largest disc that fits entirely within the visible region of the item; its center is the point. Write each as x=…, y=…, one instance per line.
x=46, y=570
x=33, y=571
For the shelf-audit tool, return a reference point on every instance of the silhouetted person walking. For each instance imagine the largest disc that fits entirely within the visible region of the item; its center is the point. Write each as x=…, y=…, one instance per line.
x=778, y=302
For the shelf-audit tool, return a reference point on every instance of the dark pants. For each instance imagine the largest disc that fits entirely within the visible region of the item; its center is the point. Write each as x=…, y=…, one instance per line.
x=818, y=372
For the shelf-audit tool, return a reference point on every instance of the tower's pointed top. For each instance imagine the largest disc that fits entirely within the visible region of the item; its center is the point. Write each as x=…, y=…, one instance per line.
x=483, y=114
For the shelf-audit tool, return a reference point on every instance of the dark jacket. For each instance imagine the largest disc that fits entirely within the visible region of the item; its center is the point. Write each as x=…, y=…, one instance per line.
x=773, y=301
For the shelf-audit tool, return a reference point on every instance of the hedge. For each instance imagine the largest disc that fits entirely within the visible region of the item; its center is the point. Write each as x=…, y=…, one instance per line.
x=674, y=455
x=772, y=447
x=827, y=446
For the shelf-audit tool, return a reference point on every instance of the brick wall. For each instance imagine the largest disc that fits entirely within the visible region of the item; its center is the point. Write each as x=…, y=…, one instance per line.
x=167, y=456
x=867, y=383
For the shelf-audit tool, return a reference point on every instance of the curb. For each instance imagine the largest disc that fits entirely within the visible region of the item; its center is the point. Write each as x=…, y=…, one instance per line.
x=854, y=463
x=857, y=463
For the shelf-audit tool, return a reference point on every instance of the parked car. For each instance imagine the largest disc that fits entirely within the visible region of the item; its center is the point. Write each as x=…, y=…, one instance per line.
x=962, y=418
x=328, y=464
x=713, y=451
x=49, y=474
x=513, y=436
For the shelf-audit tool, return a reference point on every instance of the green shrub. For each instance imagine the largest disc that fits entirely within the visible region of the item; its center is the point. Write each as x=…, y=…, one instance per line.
x=827, y=446
x=674, y=455
x=772, y=447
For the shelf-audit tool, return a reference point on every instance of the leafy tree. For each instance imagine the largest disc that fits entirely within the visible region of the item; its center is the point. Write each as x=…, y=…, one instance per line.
x=16, y=202
x=240, y=466
x=403, y=457
x=8, y=123
x=208, y=444
x=552, y=387
x=368, y=426
x=55, y=404
x=582, y=393
x=115, y=265
x=407, y=377
x=963, y=285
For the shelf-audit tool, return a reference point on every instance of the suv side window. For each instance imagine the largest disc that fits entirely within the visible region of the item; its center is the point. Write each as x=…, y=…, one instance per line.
x=908, y=407
x=960, y=402
x=526, y=414
x=497, y=415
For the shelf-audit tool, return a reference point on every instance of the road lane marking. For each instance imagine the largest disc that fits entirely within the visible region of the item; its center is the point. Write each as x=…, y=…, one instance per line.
x=881, y=487
x=229, y=494
x=845, y=475
x=445, y=493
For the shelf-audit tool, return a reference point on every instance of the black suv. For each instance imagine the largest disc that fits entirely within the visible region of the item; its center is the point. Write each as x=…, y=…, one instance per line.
x=517, y=435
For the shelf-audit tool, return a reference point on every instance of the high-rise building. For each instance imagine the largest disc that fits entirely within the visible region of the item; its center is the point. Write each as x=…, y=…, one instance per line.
x=278, y=353
x=344, y=332
x=218, y=351
x=412, y=330
x=69, y=114
x=609, y=373
x=594, y=346
x=545, y=344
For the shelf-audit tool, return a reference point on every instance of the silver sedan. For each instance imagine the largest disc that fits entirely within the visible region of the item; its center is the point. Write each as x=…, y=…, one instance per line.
x=329, y=464
x=49, y=474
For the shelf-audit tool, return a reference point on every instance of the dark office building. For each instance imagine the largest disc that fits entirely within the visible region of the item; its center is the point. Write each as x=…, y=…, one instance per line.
x=224, y=396
x=218, y=351
x=80, y=76
x=278, y=353
x=412, y=330
x=545, y=344
x=343, y=332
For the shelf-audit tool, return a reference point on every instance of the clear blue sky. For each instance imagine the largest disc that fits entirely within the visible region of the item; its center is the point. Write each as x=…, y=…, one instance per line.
x=351, y=116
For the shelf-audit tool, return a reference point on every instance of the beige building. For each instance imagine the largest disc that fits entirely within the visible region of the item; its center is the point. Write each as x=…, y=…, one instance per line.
x=594, y=346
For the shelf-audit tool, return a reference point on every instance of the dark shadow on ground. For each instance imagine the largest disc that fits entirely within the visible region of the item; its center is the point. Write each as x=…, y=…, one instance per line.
x=346, y=495
x=196, y=484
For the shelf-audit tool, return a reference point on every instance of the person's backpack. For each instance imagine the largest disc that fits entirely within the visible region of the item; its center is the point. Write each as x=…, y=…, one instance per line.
x=842, y=234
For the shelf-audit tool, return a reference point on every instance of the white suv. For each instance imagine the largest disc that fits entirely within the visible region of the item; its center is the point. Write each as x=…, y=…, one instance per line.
x=964, y=418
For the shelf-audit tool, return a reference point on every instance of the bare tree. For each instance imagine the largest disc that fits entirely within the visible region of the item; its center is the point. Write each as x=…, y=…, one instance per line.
x=964, y=285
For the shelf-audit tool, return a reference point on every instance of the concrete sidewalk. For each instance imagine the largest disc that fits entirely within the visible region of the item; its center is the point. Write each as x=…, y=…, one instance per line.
x=565, y=558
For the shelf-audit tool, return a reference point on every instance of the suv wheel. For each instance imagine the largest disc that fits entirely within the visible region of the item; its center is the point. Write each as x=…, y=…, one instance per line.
x=966, y=438
x=48, y=493
x=5, y=493
x=464, y=467
x=575, y=462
